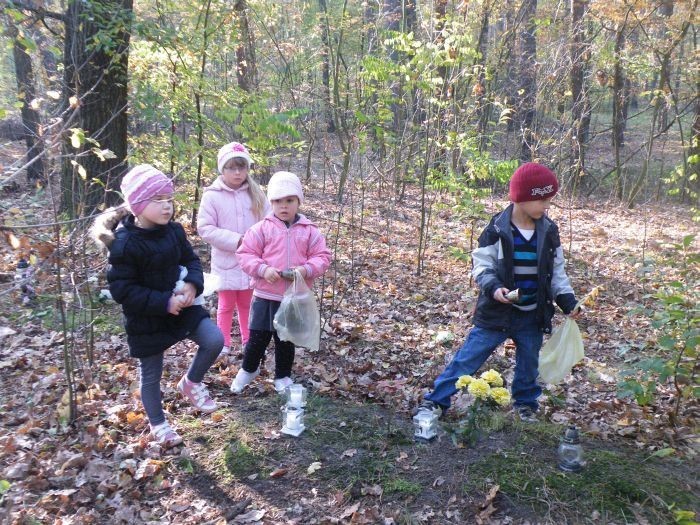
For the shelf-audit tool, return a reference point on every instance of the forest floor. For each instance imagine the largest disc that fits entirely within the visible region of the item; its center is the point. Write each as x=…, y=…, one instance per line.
x=388, y=333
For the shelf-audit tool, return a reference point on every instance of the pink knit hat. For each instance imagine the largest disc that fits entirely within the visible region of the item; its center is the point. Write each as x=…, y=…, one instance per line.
x=532, y=182
x=284, y=184
x=232, y=151
x=141, y=184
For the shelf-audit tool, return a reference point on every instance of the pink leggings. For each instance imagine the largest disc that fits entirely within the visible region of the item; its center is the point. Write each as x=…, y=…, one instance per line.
x=228, y=300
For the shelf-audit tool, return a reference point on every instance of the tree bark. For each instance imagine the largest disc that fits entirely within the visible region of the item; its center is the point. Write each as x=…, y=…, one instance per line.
x=95, y=101
x=246, y=67
x=31, y=120
x=439, y=39
x=528, y=80
x=392, y=15
x=510, y=42
x=577, y=161
x=482, y=108
x=326, y=66
x=621, y=100
x=692, y=179
x=665, y=11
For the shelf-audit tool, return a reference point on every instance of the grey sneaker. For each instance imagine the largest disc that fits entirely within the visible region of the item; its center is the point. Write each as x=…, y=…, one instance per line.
x=428, y=406
x=526, y=414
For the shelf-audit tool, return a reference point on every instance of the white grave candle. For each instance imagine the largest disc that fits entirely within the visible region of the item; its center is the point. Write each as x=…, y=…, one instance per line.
x=292, y=420
x=295, y=397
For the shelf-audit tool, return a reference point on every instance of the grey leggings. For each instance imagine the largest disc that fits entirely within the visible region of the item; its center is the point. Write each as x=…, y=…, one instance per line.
x=208, y=336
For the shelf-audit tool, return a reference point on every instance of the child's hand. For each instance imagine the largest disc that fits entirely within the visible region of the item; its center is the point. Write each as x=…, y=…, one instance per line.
x=500, y=295
x=576, y=312
x=187, y=294
x=272, y=275
x=175, y=304
x=301, y=270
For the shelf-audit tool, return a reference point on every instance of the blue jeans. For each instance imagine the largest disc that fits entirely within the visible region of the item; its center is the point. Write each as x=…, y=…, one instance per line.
x=480, y=344
x=210, y=340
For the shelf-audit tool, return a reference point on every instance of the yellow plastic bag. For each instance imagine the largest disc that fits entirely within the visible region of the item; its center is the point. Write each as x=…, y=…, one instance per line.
x=563, y=350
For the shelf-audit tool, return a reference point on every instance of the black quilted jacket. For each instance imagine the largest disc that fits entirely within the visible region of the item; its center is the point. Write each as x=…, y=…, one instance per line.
x=143, y=268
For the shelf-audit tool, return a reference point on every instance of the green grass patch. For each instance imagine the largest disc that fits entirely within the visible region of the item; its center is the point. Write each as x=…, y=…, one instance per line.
x=241, y=460
x=402, y=486
x=611, y=483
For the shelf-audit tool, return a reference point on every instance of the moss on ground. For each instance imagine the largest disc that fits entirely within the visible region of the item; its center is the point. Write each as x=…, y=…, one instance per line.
x=612, y=484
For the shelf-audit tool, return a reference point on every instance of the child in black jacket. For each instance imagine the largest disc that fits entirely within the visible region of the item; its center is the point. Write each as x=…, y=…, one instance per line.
x=156, y=276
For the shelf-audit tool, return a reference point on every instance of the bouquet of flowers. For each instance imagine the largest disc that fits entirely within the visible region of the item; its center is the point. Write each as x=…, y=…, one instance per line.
x=487, y=393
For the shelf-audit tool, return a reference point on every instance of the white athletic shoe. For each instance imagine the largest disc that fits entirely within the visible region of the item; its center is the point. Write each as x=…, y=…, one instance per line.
x=282, y=384
x=242, y=380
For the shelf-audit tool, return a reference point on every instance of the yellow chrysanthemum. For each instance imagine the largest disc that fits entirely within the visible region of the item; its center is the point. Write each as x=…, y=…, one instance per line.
x=492, y=377
x=479, y=389
x=463, y=381
x=500, y=395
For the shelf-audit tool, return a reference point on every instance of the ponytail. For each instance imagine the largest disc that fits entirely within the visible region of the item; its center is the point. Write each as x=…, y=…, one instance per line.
x=257, y=197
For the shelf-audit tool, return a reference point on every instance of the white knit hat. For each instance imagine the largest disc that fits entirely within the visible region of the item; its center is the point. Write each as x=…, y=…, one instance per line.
x=284, y=184
x=232, y=151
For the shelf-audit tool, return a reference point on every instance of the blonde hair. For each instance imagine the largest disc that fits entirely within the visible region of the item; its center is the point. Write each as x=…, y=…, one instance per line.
x=257, y=197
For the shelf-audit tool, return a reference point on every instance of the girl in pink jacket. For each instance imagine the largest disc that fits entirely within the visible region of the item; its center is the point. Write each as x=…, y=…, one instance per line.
x=231, y=205
x=284, y=240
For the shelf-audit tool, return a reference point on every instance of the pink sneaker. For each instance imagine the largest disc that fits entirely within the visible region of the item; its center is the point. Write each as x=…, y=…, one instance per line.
x=197, y=394
x=165, y=436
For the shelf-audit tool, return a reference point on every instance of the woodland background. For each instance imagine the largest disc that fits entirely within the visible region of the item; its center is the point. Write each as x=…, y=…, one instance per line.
x=405, y=120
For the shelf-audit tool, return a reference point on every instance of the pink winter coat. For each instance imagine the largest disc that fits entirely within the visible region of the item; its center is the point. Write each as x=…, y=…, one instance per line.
x=224, y=216
x=271, y=243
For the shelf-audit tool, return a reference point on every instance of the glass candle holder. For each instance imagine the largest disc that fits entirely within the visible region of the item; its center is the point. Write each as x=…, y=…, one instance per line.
x=295, y=396
x=425, y=425
x=570, y=451
x=292, y=421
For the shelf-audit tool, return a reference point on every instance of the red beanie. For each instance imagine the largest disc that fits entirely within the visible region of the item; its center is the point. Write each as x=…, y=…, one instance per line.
x=532, y=182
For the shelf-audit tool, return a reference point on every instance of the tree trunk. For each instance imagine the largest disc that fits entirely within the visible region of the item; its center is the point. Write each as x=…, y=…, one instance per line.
x=95, y=76
x=326, y=67
x=528, y=79
x=577, y=161
x=31, y=120
x=246, y=68
x=621, y=89
x=206, y=33
x=391, y=12
x=482, y=108
x=692, y=179
x=510, y=42
x=665, y=11
x=439, y=39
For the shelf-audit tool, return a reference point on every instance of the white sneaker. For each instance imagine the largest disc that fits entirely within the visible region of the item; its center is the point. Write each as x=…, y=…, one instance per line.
x=165, y=436
x=224, y=355
x=242, y=380
x=282, y=384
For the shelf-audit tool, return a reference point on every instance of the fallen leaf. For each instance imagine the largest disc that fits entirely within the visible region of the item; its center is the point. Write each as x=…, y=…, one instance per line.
x=180, y=507
x=352, y=509
x=278, y=472
x=316, y=465
x=374, y=490
x=4, y=330
x=250, y=517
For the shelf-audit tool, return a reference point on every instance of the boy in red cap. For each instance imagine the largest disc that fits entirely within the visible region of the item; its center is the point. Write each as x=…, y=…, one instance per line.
x=518, y=250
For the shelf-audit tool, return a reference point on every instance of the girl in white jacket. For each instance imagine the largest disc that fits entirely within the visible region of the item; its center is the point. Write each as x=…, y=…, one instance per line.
x=231, y=205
